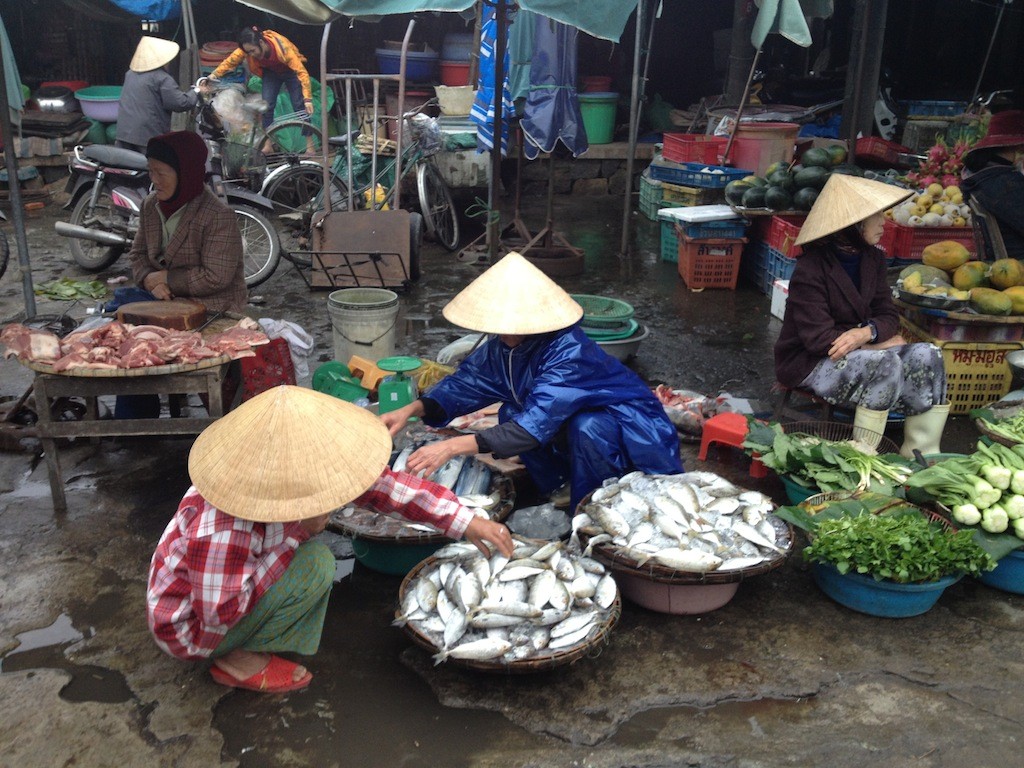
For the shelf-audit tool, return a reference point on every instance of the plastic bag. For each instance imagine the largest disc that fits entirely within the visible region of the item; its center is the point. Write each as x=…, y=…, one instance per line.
x=686, y=409
x=229, y=104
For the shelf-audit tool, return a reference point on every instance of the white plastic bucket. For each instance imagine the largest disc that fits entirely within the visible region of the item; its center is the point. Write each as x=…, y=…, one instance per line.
x=363, y=322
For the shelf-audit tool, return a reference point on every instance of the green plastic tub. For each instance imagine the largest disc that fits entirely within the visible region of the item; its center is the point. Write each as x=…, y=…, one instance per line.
x=598, y=111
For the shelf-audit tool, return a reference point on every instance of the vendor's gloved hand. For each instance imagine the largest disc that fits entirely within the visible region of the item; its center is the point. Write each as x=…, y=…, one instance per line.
x=481, y=530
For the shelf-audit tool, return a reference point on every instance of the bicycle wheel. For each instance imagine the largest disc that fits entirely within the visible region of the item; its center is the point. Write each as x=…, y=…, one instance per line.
x=437, y=207
x=261, y=248
x=286, y=140
x=5, y=253
x=297, y=193
x=89, y=254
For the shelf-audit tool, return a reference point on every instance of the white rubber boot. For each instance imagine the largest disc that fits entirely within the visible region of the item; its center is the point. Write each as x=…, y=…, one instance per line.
x=869, y=426
x=924, y=431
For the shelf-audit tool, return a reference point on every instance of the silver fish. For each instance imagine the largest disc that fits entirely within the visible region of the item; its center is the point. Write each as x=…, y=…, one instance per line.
x=575, y=622
x=752, y=535
x=687, y=560
x=566, y=641
x=606, y=591
x=511, y=572
x=735, y=563
x=542, y=589
x=426, y=594
x=479, y=650
x=454, y=628
x=523, y=610
x=488, y=620
x=601, y=538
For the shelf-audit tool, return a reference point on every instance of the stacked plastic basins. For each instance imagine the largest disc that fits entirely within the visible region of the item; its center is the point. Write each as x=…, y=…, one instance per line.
x=685, y=173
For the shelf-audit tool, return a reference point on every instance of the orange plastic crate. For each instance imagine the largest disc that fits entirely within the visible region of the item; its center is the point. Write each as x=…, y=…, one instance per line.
x=710, y=263
x=693, y=148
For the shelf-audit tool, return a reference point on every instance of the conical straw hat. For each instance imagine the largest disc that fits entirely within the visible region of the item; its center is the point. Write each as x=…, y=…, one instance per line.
x=513, y=297
x=288, y=454
x=151, y=53
x=844, y=201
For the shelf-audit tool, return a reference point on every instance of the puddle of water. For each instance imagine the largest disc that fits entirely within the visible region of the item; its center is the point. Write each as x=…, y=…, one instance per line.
x=44, y=648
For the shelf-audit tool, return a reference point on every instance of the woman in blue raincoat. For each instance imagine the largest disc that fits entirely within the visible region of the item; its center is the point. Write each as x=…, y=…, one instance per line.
x=570, y=411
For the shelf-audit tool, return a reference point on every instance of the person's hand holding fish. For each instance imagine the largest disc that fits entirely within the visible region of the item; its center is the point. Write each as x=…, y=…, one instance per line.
x=428, y=459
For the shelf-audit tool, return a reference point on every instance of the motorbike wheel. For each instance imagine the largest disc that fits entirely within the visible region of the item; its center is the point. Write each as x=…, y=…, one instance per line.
x=89, y=254
x=261, y=248
x=437, y=207
x=297, y=194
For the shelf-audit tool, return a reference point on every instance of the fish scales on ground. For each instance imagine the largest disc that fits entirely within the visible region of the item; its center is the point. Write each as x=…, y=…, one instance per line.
x=546, y=599
x=694, y=522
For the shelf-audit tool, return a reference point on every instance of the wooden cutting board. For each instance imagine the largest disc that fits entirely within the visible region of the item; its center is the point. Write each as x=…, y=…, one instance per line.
x=176, y=314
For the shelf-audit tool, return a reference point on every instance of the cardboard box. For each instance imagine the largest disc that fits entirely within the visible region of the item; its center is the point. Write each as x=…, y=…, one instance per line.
x=780, y=292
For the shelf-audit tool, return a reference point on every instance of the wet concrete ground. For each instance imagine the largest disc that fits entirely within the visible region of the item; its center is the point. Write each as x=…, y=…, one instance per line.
x=780, y=676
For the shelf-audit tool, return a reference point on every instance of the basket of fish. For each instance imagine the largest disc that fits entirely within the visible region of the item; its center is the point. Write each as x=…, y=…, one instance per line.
x=681, y=543
x=392, y=544
x=546, y=607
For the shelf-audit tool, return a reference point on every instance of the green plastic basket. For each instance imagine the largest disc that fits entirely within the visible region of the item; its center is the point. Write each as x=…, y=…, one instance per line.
x=611, y=333
x=603, y=311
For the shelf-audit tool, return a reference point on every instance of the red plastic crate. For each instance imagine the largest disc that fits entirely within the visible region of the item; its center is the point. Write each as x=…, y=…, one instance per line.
x=710, y=263
x=693, y=148
x=910, y=242
x=782, y=234
x=877, y=150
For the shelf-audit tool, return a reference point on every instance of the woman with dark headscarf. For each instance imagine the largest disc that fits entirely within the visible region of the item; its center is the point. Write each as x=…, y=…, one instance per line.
x=994, y=178
x=840, y=336
x=188, y=245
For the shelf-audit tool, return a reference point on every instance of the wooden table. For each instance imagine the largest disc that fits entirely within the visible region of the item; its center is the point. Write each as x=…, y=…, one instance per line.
x=49, y=387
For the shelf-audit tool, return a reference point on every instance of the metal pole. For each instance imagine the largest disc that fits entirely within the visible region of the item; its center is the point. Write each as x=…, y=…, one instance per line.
x=17, y=211
x=494, y=222
x=739, y=109
x=326, y=170
x=634, y=127
x=988, y=53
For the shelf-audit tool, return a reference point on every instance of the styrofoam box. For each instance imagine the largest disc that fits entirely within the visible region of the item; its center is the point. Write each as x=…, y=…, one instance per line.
x=780, y=292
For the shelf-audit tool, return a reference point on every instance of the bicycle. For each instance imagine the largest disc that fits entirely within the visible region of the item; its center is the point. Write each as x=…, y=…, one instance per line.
x=297, y=190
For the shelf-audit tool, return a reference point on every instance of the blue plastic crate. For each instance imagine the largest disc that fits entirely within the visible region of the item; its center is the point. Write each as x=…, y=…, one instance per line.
x=669, y=242
x=778, y=267
x=695, y=174
x=934, y=108
x=730, y=228
x=753, y=265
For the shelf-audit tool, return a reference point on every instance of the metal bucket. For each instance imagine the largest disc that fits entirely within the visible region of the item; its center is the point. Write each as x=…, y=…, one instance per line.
x=363, y=322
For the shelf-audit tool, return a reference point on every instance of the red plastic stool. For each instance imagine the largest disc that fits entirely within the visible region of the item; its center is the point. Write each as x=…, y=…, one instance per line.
x=729, y=429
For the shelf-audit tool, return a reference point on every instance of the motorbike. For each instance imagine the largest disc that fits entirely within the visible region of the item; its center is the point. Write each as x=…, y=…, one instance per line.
x=107, y=187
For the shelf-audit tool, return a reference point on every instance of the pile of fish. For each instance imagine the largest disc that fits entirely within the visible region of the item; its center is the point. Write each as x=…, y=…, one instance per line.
x=546, y=600
x=468, y=478
x=694, y=522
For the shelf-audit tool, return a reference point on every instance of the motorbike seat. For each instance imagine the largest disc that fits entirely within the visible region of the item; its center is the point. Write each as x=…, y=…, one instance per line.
x=116, y=157
x=341, y=141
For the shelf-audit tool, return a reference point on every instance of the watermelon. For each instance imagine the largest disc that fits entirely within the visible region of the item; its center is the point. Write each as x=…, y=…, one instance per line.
x=781, y=179
x=755, y=181
x=804, y=198
x=778, y=199
x=812, y=176
x=817, y=156
x=754, y=197
x=779, y=166
x=735, y=190
x=838, y=154
x=849, y=169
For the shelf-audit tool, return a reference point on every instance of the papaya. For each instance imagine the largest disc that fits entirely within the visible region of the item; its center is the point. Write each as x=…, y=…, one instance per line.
x=1005, y=273
x=811, y=176
x=816, y=156
x=946, y=254
x=938, y=290
x=1016, y=294
x=973, y=274
x=912, y=283
x=931, y=275
x=734, y=191
x=804, y=198
x=989, y=301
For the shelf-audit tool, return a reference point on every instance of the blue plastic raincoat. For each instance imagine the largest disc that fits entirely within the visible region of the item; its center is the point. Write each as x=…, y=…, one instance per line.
x=593, y=417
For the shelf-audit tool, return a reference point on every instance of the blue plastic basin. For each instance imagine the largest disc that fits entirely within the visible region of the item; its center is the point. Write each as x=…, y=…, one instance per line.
x=1008, y=575
x=879, y=598
x=419, y=66
x=796, y=492
x=392, y=559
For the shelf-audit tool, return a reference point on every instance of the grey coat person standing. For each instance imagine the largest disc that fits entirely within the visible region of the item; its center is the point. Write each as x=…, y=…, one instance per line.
x=150, y=95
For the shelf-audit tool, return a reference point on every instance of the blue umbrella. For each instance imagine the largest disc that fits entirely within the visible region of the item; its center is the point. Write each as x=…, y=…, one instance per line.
x=552, y=111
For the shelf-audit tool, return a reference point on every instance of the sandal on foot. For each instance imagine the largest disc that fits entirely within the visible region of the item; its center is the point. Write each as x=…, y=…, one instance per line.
x=276, y=677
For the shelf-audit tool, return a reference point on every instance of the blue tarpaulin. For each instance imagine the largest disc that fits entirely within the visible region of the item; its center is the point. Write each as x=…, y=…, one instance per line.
x=154, y=10
x=552, y=110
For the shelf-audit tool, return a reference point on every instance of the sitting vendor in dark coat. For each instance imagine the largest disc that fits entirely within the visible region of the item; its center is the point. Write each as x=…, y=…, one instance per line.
x=569, y=410
x=994, y=178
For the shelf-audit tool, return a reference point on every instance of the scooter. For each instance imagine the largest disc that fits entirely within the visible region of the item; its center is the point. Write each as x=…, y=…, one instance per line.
x=107, y=187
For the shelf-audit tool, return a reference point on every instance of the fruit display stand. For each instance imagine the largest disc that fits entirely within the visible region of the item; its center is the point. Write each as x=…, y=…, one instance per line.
x=962, y=326
x=908, y=243
x=977, y=373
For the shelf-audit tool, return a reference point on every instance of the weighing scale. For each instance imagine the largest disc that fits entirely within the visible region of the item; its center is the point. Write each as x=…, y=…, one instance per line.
x=399, y=390
x=336, y=380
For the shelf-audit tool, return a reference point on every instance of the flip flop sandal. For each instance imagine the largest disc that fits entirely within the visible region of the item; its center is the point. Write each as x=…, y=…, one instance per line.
x=276, y=677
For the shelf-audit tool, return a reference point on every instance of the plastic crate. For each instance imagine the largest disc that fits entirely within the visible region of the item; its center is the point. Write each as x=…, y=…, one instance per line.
x=669, y=242
x=693, y=148
x=926, y=109
x=695, y=174
x=910, y=242
x=876, y=150
x=710, y=263
x=650, y=198
x=670, y=231
x=947, y=328
x=754, y=264
x=777, y=267
x=687, y=196
x=782, y=234
x=976, y=372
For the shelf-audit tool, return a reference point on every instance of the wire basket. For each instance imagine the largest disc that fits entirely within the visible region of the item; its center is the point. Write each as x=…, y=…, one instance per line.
x=244, y=162
x=837, y=431
x=1001, y=410
x=603, y=311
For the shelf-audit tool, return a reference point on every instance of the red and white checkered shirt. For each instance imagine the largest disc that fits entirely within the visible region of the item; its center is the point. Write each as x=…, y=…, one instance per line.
x=210, y=568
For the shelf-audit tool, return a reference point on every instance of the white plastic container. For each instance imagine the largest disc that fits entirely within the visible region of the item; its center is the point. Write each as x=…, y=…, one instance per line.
x=363, y=322
x=780, y=292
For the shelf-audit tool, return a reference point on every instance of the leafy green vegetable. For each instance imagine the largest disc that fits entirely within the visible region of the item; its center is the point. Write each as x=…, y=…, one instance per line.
x=905, y=548
x=67, y=289
x=830, y=465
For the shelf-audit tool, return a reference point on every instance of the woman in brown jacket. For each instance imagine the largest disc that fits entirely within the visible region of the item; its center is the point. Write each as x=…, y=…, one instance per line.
x=188, y=245
x=840, y=336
